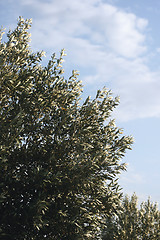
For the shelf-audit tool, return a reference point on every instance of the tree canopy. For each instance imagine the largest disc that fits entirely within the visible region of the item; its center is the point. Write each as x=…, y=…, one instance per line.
x=133, y=222
x=60, y=158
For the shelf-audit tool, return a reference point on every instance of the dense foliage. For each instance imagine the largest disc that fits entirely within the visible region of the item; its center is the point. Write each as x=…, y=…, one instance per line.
x=60, y=159
x=134, y=223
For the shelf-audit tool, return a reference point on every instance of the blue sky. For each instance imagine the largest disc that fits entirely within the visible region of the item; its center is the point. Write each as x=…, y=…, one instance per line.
x=113, y=43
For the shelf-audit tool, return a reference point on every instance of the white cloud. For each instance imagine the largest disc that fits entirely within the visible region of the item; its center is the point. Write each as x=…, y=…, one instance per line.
x=139, y=90
x=106, y=44
x=100, y=23
x=120, y=30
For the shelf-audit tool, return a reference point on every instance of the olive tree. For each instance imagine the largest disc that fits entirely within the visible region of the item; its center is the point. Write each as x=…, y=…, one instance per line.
x=60, y=157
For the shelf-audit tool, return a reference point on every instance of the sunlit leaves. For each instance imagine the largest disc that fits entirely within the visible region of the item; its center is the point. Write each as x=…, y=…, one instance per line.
x=134, y=222
x=60, y=158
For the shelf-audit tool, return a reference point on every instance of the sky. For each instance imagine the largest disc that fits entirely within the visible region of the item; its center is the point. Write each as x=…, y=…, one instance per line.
x=112, y=43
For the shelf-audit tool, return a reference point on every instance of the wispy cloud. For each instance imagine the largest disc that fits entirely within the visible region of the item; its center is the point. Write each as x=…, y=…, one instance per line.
x=132, y=177
x=107, y=45
x=139, y=182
